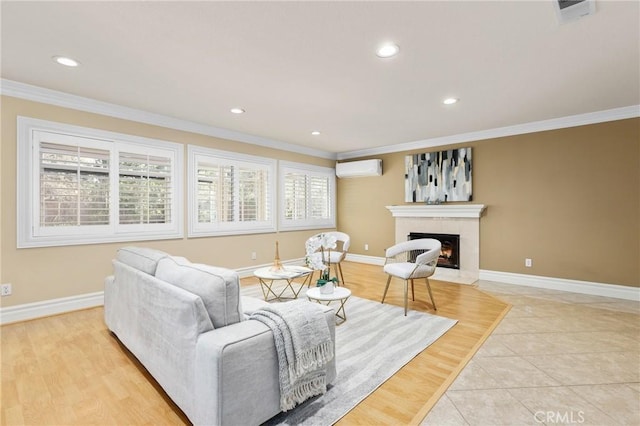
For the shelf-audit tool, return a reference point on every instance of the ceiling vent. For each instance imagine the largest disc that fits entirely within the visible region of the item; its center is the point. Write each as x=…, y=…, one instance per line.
x=570, y=10
x=359, y=168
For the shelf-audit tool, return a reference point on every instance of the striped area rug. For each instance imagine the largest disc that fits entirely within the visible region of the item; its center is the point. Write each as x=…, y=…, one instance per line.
x=371, y=346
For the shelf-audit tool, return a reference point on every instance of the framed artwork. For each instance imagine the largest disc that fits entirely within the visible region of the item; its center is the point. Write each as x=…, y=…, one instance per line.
x=438, y=177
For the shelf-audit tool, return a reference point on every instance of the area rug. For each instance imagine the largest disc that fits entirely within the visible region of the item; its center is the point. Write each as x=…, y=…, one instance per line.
x=371, y=346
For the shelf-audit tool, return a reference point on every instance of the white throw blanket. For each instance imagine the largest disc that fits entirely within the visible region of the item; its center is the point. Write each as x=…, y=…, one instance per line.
x=304, y=346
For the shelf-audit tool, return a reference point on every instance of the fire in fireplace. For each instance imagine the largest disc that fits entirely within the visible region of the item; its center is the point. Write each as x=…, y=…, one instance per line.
x=450, y=251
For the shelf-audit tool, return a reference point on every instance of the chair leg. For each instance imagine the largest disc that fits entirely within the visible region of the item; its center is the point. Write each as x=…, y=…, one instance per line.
x=386, y=288
x=433, y=302
x=413, y=294
x=341, y=274
x=406, y=284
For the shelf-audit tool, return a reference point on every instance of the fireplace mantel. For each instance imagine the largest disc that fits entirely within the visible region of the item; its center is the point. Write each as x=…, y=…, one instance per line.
x=438, y=210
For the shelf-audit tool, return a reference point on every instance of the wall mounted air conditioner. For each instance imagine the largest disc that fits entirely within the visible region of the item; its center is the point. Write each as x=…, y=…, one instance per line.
x=359, y=168
x=570, y=10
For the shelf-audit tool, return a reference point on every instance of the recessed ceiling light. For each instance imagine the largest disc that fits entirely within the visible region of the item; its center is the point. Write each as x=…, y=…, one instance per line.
x=387, y=50
x=68, y=62
x=450, y=101
x=315, y=133
x=237, y=110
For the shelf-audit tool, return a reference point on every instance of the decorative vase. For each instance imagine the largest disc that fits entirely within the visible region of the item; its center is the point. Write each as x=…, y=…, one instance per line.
x=327, y=288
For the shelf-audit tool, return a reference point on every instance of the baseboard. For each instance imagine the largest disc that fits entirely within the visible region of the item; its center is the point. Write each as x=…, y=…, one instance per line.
x=46, y=308
x=574, y=286
x=29, y=311
x=361, y=258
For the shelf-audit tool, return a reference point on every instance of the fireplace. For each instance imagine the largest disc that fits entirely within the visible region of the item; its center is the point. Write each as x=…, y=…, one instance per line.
x=450, y=251
x=448, y=218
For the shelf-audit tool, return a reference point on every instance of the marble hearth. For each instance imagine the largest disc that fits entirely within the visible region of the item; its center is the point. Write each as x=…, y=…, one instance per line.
x=461, y=219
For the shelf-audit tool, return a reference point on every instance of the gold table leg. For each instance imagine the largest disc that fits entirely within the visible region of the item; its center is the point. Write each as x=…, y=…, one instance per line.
x=267, y=288
x=339, y=315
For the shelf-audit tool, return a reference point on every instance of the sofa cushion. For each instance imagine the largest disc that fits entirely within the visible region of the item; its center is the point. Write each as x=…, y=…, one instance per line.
x=219, y=288
x=141, y=258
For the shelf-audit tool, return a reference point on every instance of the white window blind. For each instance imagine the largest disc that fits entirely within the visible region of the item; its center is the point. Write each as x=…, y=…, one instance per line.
x=320, y=196
x=84, y=186
x=144, y=189
x=295, y=195
x=307, y=196
x=230, y=193
x=74, y=185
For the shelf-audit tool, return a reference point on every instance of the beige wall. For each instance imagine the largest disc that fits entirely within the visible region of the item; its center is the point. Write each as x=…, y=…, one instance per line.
x=39, y=274
x=569, y=199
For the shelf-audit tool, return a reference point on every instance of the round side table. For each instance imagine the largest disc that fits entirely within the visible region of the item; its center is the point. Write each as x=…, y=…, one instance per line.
x=340, y=294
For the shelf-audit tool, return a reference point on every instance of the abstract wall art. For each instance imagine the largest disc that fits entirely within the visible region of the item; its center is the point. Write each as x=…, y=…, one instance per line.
x=438, y=177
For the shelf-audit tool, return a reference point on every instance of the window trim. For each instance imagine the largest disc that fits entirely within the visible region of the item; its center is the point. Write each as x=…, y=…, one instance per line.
x=197, y=229
x=309, y=170
x=28, y=176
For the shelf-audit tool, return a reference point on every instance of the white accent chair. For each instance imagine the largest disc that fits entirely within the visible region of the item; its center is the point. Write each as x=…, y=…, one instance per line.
x=399, y=263
x=334, y=257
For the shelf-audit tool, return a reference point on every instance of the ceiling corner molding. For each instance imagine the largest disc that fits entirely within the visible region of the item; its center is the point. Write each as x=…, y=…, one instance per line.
x=437, y=210
x=615, y=114
x=52, y=97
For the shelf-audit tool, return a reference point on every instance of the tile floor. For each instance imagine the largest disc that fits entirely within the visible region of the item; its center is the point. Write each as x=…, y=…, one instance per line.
x=556, y=358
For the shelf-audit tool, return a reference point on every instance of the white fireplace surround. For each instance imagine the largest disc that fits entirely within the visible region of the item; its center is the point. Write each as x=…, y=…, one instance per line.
x=461, y=219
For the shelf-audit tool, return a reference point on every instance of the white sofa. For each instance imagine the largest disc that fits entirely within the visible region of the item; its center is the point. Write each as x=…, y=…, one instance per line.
x=186, y=324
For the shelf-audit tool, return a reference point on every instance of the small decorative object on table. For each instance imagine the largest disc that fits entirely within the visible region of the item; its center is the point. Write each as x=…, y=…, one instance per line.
x=315, y=260
x=277, y=265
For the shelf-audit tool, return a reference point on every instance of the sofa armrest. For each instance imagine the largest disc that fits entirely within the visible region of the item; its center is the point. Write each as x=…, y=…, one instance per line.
x=160, y=324
x=237, y=373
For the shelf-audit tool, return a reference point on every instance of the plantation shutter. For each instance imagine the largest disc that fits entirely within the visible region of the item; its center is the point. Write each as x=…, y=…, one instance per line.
x=319, y=195
x=74, y=185
x=253, y=191
x=215, y=193
x=144, y=189
x=295, y=193
x=232, y=193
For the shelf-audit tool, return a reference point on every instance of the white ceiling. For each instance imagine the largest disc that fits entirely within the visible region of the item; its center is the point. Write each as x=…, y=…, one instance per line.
x=302, y=66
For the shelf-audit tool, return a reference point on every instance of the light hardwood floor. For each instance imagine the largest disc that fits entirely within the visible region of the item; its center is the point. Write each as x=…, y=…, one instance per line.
x=70, y=370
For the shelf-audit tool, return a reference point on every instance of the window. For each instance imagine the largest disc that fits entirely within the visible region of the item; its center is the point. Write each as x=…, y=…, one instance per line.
x=81, y=186
x=230, y=193
x=307, y=196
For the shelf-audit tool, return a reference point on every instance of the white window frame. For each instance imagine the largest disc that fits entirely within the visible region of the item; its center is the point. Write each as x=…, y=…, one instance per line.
x=309, y=170
x=195, y=154
x=29, y=231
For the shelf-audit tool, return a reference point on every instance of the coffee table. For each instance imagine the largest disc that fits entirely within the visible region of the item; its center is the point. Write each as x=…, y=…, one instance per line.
x=340, y=294
x=269, y=279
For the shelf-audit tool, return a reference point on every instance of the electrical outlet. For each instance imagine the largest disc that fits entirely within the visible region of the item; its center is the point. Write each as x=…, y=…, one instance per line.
x=366, y=247
x=254, y=256
x=6, y=290
x=528, y=263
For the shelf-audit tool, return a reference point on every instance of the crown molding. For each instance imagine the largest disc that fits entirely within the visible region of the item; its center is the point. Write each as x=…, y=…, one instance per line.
x=623, y=113
x=52, y=97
